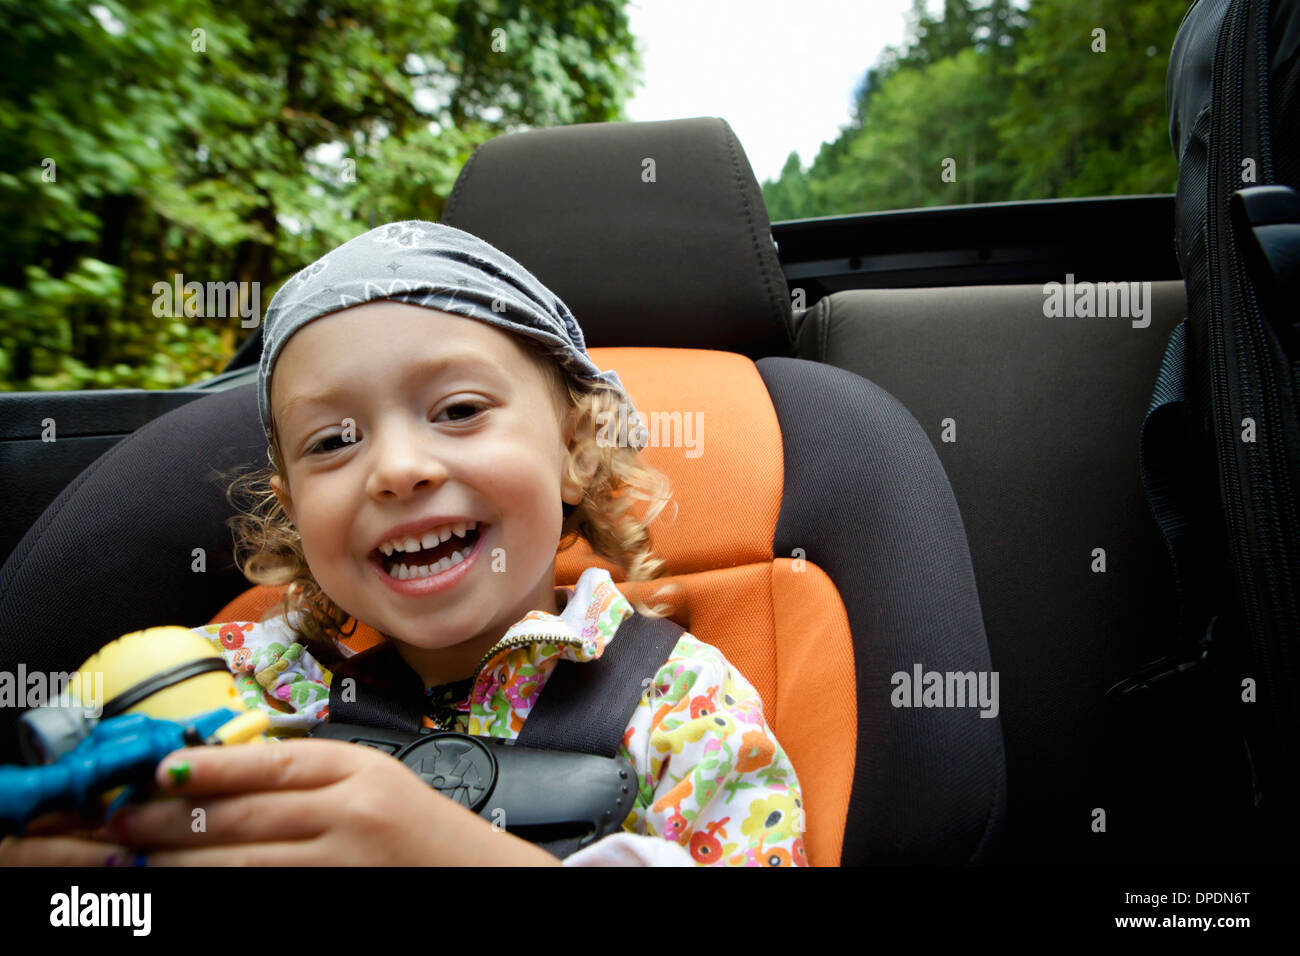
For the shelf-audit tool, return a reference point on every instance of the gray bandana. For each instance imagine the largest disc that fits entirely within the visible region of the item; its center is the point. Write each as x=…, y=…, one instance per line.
x=439, y=267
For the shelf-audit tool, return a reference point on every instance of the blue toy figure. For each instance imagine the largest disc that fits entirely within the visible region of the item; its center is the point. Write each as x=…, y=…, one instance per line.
x=167, y=688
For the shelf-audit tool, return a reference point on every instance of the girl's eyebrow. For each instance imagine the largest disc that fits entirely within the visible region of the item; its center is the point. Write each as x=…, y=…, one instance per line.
x=467, y=361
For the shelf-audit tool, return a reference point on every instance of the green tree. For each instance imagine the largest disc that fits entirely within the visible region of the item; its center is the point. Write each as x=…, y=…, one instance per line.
x=239, y=141
x=1015, y=97
x=928, y=142
x=790, y=190
x=1083, y=122
x=936, y=38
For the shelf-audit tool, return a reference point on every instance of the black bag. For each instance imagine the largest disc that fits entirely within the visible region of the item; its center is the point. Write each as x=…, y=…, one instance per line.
x=1221, y=443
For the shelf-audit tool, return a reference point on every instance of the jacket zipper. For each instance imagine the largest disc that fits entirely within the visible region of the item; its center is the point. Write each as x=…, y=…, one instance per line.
x=508, y=643
x=520, y=642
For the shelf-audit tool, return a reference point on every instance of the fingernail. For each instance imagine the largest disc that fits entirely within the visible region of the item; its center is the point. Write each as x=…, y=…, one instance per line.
x=140, y=860
x=178, y=773
x=113, y=860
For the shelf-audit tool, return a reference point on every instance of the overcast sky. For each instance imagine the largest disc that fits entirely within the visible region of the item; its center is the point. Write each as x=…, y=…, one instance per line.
x=781, y=73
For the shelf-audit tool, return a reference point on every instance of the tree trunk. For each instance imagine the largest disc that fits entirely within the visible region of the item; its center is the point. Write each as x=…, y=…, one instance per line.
x=90, y=336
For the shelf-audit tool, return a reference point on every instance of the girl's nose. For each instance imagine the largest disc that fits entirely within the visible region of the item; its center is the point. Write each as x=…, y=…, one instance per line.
x=405, y=462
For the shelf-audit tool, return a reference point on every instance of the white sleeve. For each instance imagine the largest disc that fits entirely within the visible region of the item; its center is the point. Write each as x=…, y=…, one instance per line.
x=631, y=849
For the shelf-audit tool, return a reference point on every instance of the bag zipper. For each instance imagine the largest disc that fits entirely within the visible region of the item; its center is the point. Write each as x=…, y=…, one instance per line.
x=1268, y=472
x=1228, y=119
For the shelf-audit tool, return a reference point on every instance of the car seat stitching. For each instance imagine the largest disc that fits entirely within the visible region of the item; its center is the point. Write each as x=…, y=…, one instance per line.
x=823, y=328
x=782, y=320
x=812, y=331
x=458, y=189
x=987, y=836
x=776, y=657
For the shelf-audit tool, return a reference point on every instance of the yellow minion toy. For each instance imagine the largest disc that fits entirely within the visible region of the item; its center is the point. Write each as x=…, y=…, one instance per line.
x=139, y=697
x=168, y=672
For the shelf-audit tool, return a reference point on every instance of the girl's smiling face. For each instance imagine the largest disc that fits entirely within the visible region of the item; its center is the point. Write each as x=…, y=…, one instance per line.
x=450, y=417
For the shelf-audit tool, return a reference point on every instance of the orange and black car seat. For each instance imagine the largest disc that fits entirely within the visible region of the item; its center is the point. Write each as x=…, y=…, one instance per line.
x=817, y=541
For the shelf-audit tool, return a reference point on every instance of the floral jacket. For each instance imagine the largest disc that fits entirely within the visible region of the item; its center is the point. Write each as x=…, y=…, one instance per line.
x=715, y=786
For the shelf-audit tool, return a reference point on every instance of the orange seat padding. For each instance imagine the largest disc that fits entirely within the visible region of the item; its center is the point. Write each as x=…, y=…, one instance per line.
x=778, y=619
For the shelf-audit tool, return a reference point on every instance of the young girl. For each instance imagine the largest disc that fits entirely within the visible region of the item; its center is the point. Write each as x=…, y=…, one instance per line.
x=424, y=472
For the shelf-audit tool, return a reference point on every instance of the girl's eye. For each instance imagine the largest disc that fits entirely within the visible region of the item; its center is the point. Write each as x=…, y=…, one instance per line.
x=472, y=407
x=320, y=445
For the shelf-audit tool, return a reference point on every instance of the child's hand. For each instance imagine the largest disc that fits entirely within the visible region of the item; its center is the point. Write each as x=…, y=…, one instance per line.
x=308, y=803
x=60, y=839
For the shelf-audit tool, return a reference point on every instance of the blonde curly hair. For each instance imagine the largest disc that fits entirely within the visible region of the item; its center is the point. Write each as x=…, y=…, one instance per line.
x=268, y=548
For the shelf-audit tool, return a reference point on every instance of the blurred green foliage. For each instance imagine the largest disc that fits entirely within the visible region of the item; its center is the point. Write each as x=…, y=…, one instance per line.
x=1018, y=96
x=239, y=141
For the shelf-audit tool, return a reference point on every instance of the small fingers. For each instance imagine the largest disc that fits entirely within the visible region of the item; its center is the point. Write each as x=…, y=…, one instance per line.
x=199, y=821
x=288, y=765
x=288, y=853
x=59, y=822
x=60, y=851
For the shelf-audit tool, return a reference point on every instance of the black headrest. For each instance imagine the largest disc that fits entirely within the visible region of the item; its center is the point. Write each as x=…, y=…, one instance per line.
x=654, y=234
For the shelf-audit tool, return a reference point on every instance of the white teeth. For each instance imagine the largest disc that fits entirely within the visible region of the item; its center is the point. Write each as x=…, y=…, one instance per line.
x=430, y=539
x=404, y=572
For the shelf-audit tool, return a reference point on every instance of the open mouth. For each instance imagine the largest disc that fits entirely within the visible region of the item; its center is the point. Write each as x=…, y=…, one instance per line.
x=426, y=562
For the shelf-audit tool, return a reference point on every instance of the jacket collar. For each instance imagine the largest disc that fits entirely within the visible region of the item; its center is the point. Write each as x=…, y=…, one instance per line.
x=590, y=613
